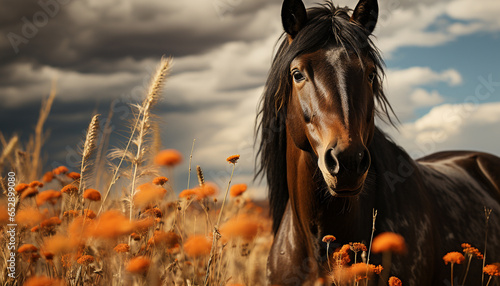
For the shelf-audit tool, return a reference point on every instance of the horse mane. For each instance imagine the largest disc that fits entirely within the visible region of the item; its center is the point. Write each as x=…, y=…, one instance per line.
x=327, y=25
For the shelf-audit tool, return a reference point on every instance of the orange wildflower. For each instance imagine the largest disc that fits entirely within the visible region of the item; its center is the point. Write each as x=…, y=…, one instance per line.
x=60, y=170
x=243, y=226
x=233, y=159
x=492, y=269
x=85, y=259
x=48, y=177
x=53, y=221
x=29, y=216
x=88, y=213
x=57, y=244
x=35, y=184
x=454, y=257
x=110, y=225
x=148, y=193
x=395, y=281
x=168, y=157
x=329, y=238
x=237, y=190
x=154, y=212
x=42, y=281
x=74, y=175
x=389, y=241
x=91, y=194
x=472, y=251
x=197, y=245
x=357, y=247
x=188, y=194
x=21, y=187
x=69, y=189
x=160, y=181
x=80, y=229
x=122, y=247
x=167, y=239
x=138, y=265
x=70, y=213
x=27, y=248
x=208, y=189
x=143, y=224
x=49, y=196
x=29, y=192
x=341, y=257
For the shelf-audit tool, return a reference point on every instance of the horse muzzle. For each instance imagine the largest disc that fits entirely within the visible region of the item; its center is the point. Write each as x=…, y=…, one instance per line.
x=345, y=172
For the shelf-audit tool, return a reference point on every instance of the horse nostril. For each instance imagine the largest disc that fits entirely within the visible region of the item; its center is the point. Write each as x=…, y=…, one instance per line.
x=332, y=162
x=364, y=161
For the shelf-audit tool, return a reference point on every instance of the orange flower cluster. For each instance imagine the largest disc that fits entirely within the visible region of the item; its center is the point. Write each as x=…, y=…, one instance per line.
x=197, y=245
x=110, y=225
x=73, y=175
x=160, y=181
x=57, y=244
x=243, y=226
x=36, y=184
x=329, y=238
x=341, y=257
x=237, y=190
x=49, y=196
x=92, y=195
x=395, y=281
x=148, y=194
x=42, y=281
x=389, y=241
x=153, y=212
x=357, y=246
x=122, y=247
x=472, y=251
x=48, y=177
x=492, y=269
x=69, y=189
x=164, y=239
x=138, y=265
x=85, y=259
x=60, y=170
x=21, y=187
x=29, y=192
x=454, y=257
x=27, y=248
x=206, y=190
x=233, y=159
x=50, y=222
x=29, y=216
x=168, y=157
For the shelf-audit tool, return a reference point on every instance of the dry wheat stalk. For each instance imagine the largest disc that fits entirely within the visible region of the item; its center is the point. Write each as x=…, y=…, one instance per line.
x=89, y=147
x=143, y=123
x=44, y=113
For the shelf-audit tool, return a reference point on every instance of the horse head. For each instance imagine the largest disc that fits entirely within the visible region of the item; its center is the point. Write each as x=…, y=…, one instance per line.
x=332, y=86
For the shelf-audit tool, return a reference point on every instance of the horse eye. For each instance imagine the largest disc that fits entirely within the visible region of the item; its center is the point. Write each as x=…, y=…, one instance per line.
x=371, y=77
x=297, y=75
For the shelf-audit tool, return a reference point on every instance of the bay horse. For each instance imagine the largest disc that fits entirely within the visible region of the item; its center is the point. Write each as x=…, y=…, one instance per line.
x=328, y=166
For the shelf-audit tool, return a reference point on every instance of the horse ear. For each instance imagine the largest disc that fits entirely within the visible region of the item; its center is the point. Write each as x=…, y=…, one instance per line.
x=366, y=14
x=293, y=16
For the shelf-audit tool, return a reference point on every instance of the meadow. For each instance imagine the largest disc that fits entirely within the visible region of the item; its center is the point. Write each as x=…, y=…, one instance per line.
x=119, y=221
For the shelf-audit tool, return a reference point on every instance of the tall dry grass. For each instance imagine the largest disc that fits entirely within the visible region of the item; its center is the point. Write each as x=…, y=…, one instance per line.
x=133, y=229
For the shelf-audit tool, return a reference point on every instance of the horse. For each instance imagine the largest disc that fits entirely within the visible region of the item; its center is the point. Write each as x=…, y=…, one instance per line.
x=328, y=166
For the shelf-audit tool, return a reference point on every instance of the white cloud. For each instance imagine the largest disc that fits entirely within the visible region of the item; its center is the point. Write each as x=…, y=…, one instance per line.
x=451, y=127
x=405, y=88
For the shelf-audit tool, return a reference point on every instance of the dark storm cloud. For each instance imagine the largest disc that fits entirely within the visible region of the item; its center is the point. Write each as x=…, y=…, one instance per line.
x=83, y=33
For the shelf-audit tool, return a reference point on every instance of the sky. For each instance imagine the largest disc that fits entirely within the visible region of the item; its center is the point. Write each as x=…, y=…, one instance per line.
x=442, y=73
